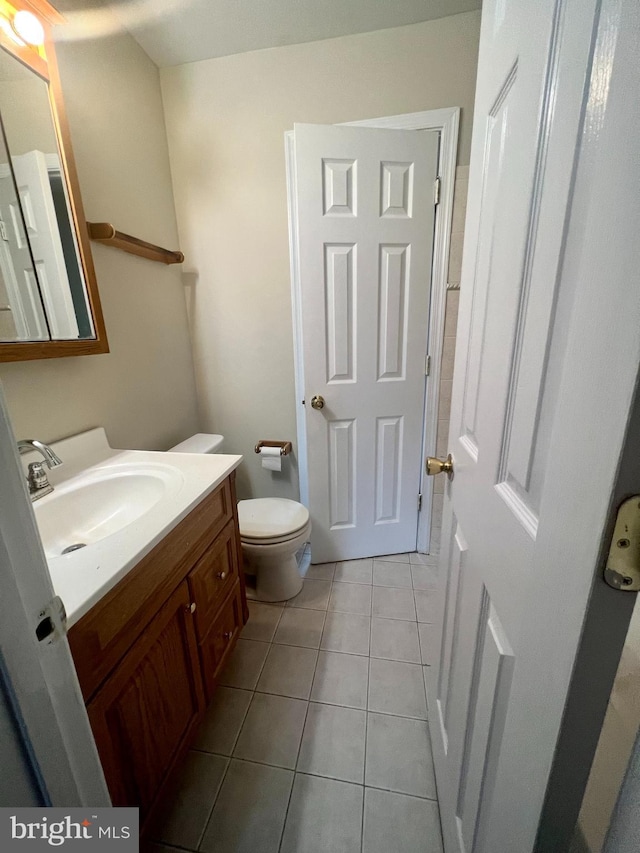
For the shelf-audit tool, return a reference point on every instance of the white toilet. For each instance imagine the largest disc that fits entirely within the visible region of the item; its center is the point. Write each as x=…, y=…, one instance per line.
x=272, y=530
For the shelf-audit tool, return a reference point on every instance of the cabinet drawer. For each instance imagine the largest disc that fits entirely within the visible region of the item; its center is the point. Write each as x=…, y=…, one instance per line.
x=217, y=645
x=213, y=577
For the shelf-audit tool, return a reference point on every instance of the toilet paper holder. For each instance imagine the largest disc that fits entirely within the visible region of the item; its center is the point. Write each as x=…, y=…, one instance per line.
x=285, y=446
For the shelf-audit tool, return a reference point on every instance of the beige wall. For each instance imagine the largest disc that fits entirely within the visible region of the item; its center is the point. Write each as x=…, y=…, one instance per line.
x=225, y=123
x=143, y=391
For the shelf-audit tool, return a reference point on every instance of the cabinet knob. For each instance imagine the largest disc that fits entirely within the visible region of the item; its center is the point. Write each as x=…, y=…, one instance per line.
x=191, y=608
x=227, y=635
x=221, y=575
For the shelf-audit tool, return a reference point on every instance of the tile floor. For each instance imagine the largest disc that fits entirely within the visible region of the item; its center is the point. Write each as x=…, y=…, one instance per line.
x=317, y=740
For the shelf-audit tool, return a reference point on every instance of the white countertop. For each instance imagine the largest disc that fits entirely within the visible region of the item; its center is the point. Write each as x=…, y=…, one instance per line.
x=83, y=577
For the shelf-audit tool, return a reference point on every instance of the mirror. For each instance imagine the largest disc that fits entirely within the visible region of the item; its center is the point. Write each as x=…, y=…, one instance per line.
x=48, y=296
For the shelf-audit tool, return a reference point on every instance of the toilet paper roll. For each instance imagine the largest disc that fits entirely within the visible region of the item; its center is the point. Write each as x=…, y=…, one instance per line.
x=271, y=458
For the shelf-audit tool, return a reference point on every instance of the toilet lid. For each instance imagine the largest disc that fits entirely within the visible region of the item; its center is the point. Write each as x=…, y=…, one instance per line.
x=266, y=518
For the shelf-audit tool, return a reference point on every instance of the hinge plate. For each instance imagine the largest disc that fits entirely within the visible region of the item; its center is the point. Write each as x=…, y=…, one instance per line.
x=419, y=502
x=52, y=621
x=427, y=365
x=436, y=191
x=623, y=563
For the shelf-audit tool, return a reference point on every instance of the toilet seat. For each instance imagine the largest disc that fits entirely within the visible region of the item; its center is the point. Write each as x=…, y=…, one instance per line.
x=270, y=521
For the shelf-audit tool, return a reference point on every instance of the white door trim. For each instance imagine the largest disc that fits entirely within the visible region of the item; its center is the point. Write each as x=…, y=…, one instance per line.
x=444, y=121
x=42, y=682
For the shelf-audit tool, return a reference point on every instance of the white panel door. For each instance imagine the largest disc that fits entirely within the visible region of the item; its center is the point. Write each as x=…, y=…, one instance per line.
x=36, y=199
x=16, y=265
x=546, y=366
x=365, y=208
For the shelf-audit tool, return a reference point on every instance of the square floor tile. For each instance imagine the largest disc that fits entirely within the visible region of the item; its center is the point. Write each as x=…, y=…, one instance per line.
x=321, y=571
x=189, y=800
x=351, y=598
x=391, y=574
x=428, y=642
x=250, y=810
x=288, y=671
x=341, y=680
x=244, y=665
x=399, y=756
x=397, y=688
x=426, y=604
x=395, y=640
x=300, y=627
x=424, y=577
x=393, y=603
x=417, y=559
x=263, y=619
x=400, y=823
x=314, y=595
x=223, y=720
x=394, y=558
x=333, y=743
x=346, y=632
x=354, y=571
x=272, y=730
x=325, y=816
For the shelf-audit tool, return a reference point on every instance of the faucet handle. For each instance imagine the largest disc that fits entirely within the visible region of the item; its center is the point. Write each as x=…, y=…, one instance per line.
x=37, y=476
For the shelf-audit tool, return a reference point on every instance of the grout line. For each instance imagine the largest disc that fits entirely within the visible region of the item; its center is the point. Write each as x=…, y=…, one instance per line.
x=366, y=732
x=213, y=805
x=304, y=725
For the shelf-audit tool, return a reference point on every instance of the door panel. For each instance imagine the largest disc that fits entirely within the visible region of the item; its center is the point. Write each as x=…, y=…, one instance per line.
x=528, y=501
x=365, y=213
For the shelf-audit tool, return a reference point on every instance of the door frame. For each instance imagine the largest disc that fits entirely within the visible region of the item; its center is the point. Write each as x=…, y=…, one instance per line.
x=446, y=122
x=39, y=678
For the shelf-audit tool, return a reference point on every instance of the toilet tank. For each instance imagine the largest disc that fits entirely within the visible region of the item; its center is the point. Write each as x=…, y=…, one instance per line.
x=201, y=442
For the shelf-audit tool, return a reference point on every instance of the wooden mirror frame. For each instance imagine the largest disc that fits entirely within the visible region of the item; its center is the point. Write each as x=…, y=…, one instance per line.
x=42, y=60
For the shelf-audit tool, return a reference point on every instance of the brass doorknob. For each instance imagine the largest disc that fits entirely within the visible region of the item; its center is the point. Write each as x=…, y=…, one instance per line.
x=317, y=402
x=440, y=466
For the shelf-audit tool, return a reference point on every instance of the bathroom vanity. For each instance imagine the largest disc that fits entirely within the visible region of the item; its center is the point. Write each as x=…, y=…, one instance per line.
x=149, y=653
x=155, y=598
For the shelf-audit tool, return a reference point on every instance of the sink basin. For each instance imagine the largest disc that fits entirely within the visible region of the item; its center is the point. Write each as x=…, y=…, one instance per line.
x=88, y=508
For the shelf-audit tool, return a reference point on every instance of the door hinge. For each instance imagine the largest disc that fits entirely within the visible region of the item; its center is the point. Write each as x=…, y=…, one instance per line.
x=427, y=365
x=52, y=621
x=420, y=502
x=3, y=231
x=436, y=191
x=623, y=563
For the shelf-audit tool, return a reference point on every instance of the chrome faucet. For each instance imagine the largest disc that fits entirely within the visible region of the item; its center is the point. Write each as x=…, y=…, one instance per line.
x=37, y=480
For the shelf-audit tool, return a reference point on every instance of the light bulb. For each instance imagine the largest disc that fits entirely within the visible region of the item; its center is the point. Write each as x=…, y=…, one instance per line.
x=28, y=27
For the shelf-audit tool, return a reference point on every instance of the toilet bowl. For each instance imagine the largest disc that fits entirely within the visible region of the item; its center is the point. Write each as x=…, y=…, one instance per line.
x=272, y=530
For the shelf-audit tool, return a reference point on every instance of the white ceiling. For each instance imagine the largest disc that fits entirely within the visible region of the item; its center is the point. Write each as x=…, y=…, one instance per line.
x=177, y=31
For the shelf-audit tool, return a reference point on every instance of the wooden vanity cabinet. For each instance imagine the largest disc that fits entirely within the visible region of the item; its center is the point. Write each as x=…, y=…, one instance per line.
x=149, y=705
x=148, y=655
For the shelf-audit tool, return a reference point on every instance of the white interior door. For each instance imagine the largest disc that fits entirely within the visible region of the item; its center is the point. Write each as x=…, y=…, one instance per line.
x=365, y=211
x=36, y=199
x=16, y=265
x=546, y=368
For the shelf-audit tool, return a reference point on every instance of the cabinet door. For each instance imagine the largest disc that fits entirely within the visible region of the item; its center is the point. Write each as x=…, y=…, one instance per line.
x=222, y=636
x=145, y=712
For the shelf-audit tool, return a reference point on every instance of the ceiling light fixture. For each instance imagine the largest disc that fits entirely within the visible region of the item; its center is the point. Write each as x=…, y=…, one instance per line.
x=28, y=28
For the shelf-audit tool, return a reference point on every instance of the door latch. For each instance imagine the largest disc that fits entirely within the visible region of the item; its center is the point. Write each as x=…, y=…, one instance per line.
x=623, y=563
